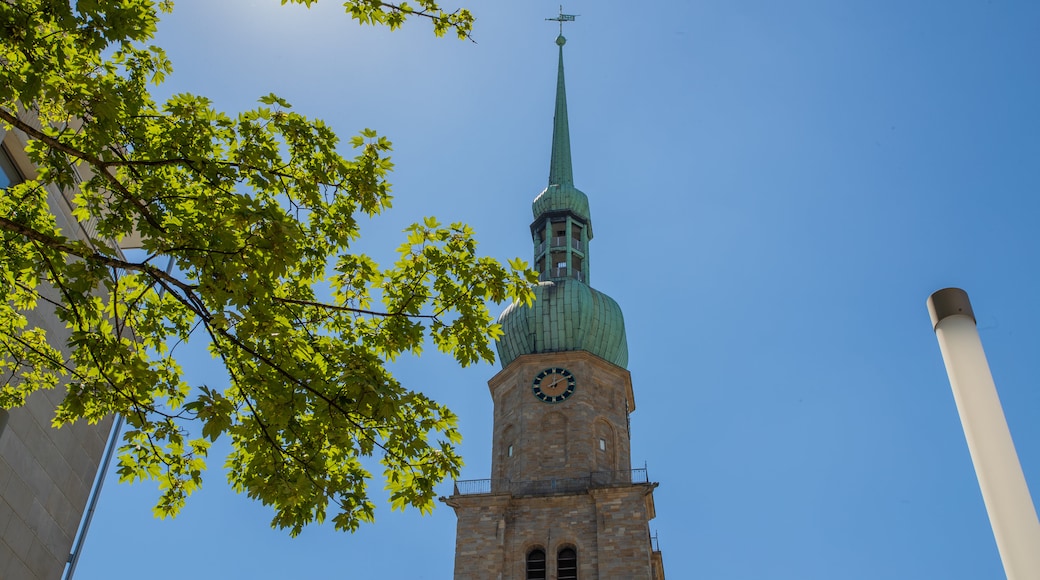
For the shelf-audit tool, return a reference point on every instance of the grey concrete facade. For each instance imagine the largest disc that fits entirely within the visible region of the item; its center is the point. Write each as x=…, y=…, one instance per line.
x=45, y=473
x=45, y=478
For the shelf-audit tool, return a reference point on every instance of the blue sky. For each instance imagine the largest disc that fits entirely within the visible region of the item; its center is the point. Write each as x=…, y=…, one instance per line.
x=776, y=189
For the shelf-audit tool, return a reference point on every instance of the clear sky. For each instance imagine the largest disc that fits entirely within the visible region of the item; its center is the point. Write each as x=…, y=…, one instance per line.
x=776, y=189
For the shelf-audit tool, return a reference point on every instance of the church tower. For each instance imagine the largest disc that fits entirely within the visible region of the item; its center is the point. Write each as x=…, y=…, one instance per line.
x=563, y=501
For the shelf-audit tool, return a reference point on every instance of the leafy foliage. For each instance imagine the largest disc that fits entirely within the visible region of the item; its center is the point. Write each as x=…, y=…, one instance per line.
x=256, y=213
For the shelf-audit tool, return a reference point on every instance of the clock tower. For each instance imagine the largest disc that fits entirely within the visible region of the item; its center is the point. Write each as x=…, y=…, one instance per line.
x=563, y=501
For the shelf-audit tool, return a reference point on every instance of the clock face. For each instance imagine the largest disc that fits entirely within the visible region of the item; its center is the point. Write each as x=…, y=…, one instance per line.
x=553, y=385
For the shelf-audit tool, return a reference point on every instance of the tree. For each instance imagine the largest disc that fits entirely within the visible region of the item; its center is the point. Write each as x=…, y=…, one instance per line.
x=256, y=213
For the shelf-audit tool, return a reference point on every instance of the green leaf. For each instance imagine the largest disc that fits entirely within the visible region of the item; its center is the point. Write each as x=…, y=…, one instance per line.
x=248, y=222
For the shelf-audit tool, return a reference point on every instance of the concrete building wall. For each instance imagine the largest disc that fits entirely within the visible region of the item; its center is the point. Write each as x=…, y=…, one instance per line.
x=45, y=478
x=45, y=473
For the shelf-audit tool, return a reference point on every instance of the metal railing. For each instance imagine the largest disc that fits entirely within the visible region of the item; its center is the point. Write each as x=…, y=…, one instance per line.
x=562, y=273
x=655, y=546
x=477, y=486
x=561, y=242
x=595, y=479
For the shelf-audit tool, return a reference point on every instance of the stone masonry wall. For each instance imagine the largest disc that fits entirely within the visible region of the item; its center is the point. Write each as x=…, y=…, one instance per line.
x=606, y=527
x=480, y=536
x=560, y=440
x=623, y=532
x=542, y=458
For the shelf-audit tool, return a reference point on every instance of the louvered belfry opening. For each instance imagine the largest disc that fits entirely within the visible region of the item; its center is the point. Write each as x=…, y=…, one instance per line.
x=536, y=564
x=567, y=564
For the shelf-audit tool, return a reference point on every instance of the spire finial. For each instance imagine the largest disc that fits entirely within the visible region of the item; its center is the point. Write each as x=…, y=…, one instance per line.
x=560, y=173
x=561, y=19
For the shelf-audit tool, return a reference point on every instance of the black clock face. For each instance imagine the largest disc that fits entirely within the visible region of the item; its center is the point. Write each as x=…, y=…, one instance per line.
x=553, y=385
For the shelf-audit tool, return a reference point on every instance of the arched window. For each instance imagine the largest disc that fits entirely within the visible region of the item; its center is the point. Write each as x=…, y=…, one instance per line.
x=567, y=564
x=536, y=564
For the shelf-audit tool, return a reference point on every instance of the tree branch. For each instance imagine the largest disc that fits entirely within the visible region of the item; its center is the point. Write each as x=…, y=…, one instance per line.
x=98, y=164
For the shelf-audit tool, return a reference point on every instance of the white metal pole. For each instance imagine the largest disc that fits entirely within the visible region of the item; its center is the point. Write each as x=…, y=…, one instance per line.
x=1004, y=490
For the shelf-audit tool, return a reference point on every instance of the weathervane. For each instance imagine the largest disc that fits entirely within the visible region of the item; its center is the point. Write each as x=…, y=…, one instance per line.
x=563, y=18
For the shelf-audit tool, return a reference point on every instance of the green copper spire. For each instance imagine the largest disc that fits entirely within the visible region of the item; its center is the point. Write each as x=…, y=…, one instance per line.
x=561, y=195
x=567, y=313
x=560, y=172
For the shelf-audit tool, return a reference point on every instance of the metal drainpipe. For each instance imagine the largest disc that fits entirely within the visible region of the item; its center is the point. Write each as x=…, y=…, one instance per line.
x=99, y=482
